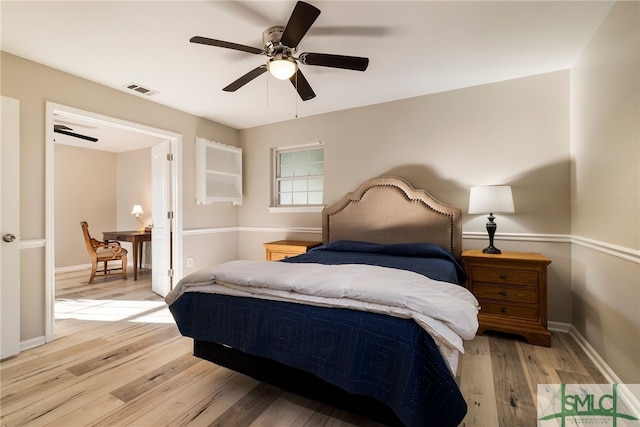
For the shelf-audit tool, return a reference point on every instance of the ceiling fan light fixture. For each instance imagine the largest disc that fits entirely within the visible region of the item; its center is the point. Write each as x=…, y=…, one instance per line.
x=280, y=46
x=282, y=68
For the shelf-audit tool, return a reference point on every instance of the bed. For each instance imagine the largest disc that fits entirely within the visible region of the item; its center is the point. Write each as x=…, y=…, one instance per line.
x=372, y=321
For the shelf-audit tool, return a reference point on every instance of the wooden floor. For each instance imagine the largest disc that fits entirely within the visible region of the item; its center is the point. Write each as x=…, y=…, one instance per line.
x=118, y=359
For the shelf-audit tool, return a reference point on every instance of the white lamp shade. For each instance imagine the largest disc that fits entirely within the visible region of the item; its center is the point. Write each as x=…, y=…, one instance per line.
x=282, y=69
x=137, y=209
x=491, y=199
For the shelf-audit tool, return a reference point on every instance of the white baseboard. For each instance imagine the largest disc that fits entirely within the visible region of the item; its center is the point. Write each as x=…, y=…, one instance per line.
x=625, y=393
x=33, y=342
x=592, y=354
x=560, y=327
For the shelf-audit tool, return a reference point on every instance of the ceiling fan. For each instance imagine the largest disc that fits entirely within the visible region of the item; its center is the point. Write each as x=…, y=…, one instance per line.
x=68, y=131
x=280, y=46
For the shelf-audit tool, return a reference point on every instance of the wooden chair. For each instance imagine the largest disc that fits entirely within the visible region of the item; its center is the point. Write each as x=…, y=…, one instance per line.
x=104, y=252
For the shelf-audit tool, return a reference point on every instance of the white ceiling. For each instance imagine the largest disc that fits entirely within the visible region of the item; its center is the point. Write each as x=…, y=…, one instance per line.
x=111, y=137
x=415, y=48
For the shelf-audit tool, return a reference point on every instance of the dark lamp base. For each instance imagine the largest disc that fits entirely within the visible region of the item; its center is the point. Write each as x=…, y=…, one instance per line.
x=491, y=250
x=491, y=230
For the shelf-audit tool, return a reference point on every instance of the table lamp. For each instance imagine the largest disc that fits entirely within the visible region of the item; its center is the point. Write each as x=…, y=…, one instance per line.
x=137, y=210
x=491, y=199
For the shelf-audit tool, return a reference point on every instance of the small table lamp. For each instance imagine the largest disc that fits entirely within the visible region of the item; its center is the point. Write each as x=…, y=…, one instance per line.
x=137, y=210
x=491, y=198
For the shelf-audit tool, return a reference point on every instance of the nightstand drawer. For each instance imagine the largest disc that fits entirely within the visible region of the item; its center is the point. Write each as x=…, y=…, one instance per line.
x=506, y=293
x=499, y=275
x=282, y=249
x=277, y=256
x=508, y=310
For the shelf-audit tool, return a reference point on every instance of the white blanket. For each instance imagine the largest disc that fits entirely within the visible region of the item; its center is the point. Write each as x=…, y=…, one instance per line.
x=449, y=313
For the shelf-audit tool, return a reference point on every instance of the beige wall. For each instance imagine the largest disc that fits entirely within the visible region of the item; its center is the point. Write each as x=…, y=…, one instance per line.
x=83, y=192
x=514, y=132
x=133, y=176
x=99, y=187
x=605, y=148
x=33, y=85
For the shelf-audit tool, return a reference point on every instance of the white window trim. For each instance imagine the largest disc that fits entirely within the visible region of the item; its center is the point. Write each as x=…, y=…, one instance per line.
x=272, y=208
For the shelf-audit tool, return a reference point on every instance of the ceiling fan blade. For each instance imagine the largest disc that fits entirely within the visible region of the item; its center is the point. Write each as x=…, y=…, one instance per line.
x=227, y=45
x=302, y=18
x=246, y=78
x=302, y=86
x=67, y=131
x=336, y=61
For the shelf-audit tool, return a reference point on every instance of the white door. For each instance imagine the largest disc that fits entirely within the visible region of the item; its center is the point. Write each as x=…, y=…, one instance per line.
x=10, y=228
x=162, y=217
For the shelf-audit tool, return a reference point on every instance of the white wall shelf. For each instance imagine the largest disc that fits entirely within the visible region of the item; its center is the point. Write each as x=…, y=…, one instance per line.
x=218, y=173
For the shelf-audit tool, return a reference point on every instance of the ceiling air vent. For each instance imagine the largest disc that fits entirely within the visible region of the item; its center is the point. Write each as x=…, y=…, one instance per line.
x=140, y=89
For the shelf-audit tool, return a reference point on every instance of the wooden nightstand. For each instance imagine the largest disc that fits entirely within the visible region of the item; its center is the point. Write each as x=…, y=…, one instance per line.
x=286, y=248
x=512, y=290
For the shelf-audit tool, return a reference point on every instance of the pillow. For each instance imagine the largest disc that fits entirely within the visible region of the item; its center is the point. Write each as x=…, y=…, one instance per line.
x=418, y=250
x=400, y=256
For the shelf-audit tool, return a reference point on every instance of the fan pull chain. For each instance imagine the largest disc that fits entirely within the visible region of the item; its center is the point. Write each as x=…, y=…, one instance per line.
x=296, y=94
x=268, y=78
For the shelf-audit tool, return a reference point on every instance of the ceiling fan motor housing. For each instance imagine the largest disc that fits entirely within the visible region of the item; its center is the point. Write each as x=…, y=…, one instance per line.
x=271, y=39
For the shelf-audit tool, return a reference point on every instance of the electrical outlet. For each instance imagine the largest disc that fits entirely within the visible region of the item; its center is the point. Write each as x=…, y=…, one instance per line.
x=190, y=261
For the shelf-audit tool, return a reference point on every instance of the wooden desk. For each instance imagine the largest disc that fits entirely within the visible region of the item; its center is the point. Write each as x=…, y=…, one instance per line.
x=137, y=238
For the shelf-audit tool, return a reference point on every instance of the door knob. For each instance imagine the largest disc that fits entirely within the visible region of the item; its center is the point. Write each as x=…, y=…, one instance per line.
x=8, y=237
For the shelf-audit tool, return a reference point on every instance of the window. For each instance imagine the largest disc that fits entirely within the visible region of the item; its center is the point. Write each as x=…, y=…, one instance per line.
x=298, y=176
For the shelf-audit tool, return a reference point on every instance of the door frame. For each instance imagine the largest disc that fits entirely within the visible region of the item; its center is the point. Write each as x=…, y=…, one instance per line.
x=176, y=194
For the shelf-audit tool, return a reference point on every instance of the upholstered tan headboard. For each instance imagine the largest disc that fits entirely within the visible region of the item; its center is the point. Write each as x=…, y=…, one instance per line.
x=390, y=210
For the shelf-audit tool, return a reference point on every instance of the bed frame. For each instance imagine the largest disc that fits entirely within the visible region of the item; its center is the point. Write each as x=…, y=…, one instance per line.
x=390, y=210
x=381, y=210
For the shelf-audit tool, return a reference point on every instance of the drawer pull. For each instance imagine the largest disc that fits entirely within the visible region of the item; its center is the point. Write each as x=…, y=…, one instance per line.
x=503, y=276
x=503, y=293
x=503, y=310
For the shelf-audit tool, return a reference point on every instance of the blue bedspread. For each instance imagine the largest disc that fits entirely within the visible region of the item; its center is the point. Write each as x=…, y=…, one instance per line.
x=423, y=258
x=390, y=359
x=387, y=358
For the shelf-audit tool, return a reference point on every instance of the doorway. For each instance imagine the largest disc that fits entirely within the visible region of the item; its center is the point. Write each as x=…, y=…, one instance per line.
x=171, y=175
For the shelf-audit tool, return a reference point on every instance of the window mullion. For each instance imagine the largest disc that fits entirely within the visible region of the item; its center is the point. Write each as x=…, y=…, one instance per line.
x=296, y=181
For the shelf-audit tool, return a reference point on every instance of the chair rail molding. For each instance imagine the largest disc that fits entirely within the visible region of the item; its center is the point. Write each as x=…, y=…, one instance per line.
x=32, y=243
x=628, y=254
